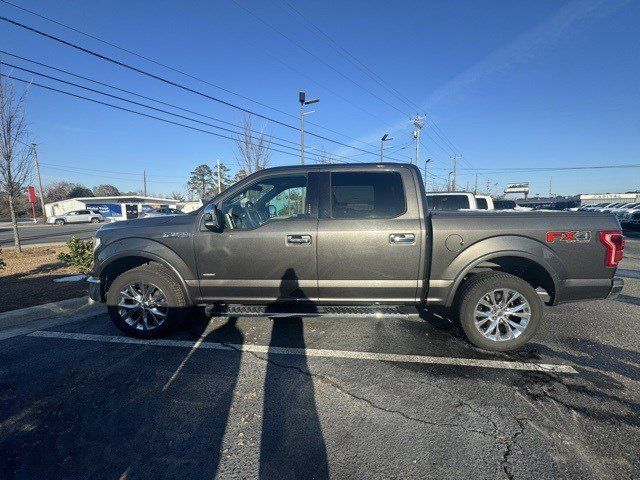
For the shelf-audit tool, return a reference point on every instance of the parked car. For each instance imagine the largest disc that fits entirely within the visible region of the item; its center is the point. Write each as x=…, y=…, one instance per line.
x=160, y=212
x=448, y=201
x=632, y=219
x=484, y=202
x=627, y=207
x=352, y=240
x=76, y=216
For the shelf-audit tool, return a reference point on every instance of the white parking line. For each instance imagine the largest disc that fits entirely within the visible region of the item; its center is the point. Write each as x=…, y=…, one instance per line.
x=314, y=352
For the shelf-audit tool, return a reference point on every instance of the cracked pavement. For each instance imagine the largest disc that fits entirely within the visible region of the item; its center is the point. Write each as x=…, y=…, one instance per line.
x=87, y=409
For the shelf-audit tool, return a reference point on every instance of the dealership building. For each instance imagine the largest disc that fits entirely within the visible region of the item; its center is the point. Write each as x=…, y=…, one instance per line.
x=594, y=199
x=121, y=207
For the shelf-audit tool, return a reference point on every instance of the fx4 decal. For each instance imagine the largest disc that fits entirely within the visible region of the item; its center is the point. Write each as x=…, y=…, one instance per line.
x=576, y=236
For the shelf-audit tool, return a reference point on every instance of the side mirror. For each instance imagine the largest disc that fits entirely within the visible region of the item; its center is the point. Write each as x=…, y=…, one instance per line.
x=212, y=220
x=272, y=211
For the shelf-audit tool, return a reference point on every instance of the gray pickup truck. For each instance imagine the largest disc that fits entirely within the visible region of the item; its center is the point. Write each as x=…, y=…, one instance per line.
x=351, y=240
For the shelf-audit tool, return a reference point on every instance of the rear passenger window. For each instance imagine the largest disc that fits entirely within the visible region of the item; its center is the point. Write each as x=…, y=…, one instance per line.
x=367, y=195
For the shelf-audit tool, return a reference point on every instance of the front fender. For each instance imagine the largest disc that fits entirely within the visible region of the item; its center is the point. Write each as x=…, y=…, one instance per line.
x=503, y=246
x=144, y=248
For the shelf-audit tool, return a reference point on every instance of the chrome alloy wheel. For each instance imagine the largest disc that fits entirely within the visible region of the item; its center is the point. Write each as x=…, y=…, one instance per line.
x=502, y=314
x=142, y=305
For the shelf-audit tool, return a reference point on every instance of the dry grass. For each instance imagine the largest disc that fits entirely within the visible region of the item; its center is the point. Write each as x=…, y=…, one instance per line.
x=27, y=279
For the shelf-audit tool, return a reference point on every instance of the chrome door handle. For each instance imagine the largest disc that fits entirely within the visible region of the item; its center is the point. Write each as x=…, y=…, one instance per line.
x=406, y=238
x=298, y=239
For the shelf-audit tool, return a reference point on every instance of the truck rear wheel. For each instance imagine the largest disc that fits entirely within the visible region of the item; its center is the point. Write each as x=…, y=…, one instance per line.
x=146, y=301
x=499, y=311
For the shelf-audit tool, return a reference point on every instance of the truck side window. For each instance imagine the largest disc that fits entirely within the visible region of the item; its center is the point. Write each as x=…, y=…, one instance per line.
x=276, y=198
x=366, y=195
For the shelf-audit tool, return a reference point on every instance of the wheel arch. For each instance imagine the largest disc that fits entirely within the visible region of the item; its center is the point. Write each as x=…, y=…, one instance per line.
x=533, y=262
x=115, y=262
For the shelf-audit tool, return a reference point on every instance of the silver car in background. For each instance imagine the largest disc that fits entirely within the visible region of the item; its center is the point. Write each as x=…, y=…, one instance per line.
x=160, y=212
x=76, y=216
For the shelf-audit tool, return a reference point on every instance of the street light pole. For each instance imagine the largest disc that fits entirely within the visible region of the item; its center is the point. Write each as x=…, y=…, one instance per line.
x=385, y=138
x=302, y=98
x=425, y=172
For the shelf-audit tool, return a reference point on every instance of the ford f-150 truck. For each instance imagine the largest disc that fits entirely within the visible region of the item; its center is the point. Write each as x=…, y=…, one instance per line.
x=352, y=240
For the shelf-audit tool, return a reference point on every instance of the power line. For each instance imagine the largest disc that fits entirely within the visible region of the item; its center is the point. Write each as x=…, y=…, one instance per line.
x=333, y=157
x=308, y=52
x=194, y=77
x=166, y=112
x=131, y=111
x=129, y=92
x=172, y=83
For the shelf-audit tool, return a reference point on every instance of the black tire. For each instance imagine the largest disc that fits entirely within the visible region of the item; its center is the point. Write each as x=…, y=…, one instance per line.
x=60, y=222
x=480, y=285
x=162, y=279
x=95, y=220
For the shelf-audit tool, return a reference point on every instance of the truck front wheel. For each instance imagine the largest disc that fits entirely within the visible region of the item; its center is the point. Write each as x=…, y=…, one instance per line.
x=499, y=311
x=146, y=301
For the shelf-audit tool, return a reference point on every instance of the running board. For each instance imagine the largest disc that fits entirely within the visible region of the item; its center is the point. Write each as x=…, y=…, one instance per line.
x=282, y=311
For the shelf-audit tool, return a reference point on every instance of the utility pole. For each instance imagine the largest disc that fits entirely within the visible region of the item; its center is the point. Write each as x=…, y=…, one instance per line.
x=488, y=186
x=455, y=171
x=219, y=180
x=144, y=180
x=419, y=125
x=385, y=138
x=475, y=187
x=302, y=98
x=549, y=187
x=35, y=159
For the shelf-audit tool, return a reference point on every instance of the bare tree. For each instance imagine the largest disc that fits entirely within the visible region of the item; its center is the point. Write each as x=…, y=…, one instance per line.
x=15, y=161
x=254, y=148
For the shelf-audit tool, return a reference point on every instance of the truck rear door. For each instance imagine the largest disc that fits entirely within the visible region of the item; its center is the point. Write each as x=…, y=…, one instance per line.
x=369, y=236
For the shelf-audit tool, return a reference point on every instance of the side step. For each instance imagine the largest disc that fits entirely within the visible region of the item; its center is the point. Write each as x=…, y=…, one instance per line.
x=283, y=311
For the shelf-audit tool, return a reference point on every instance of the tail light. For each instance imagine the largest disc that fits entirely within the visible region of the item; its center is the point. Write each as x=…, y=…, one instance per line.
x=613, y=242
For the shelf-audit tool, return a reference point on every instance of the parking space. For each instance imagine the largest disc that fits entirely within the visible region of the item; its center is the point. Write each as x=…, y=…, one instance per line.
x=308, y=398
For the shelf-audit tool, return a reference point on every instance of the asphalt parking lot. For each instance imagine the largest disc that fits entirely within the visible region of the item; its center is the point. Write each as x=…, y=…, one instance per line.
x=312, y=398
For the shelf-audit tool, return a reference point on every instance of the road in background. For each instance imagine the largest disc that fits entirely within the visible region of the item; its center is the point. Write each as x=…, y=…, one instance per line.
x=31, y=234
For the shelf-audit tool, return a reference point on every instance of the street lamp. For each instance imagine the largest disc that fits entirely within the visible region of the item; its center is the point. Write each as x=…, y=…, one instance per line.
x=302, y=98
x=425, y=172
x=385, y=138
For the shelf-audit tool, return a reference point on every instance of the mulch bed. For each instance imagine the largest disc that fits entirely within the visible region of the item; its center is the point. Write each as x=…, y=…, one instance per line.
x=27, y=279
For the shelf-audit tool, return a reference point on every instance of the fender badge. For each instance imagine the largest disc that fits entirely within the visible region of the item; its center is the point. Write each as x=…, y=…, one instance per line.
x=575, y=236
x=175, y=235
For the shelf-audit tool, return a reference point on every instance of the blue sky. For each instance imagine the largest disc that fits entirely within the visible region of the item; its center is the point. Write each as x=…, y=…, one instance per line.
x=511, y=84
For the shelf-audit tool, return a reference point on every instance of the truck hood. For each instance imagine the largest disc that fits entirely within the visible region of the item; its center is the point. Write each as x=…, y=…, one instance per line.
x=147, y=223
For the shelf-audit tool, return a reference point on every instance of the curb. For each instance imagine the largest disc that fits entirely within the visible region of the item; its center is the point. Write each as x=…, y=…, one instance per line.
x=22, y=316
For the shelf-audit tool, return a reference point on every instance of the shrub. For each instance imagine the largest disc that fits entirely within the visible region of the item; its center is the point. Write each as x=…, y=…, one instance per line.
x=80, y=254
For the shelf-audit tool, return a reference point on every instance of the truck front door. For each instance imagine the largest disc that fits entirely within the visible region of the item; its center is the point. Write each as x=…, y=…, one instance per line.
x=369, y=237
x=266, y=251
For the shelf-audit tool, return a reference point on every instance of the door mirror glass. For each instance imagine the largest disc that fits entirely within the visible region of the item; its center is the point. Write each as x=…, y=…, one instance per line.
x=211, y=218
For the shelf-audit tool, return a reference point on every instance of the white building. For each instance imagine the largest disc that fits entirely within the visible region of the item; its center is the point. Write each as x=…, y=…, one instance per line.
x=121, y=207
x=595, y=198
